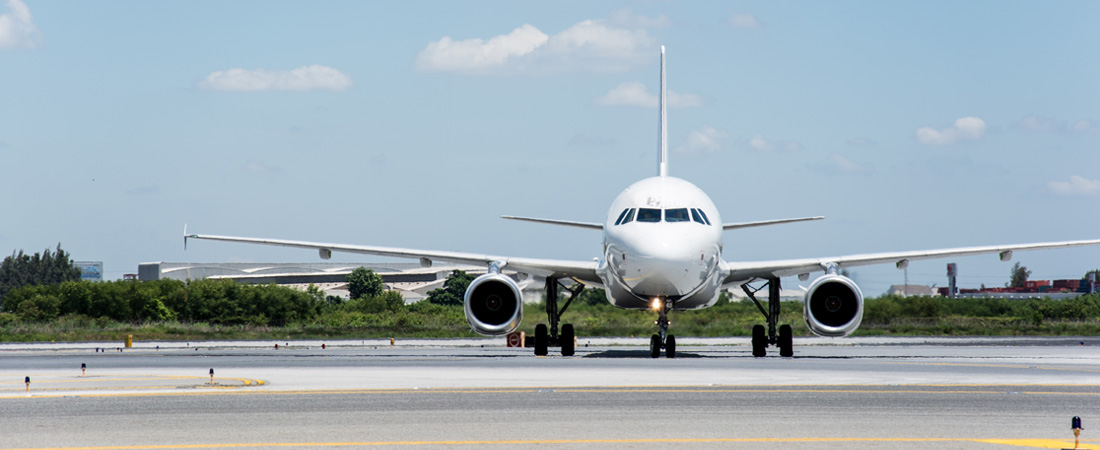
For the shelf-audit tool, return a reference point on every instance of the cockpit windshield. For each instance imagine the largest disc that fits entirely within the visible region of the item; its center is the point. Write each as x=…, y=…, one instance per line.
x=677, y=215
x=649, y=215
x=671, y=215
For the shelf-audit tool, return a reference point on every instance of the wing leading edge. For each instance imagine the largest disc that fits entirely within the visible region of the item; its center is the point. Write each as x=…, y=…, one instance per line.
x=581, y=270
x=745, y=271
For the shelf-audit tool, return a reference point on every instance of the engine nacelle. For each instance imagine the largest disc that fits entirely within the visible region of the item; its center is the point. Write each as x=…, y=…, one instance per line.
x=493, y=304
x=833, y=306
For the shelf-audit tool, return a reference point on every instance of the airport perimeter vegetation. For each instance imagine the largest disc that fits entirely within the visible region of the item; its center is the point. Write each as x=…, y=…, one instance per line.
x=165, y=310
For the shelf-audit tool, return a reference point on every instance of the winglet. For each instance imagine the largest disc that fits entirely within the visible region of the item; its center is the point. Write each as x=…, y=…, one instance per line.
x=662, y=137
x=185, y=237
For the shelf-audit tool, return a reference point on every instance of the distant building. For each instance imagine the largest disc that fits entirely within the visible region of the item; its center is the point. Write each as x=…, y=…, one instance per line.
x=906, y=290
x=90, y=270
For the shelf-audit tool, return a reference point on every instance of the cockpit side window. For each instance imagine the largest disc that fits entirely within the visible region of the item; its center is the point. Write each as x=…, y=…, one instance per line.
x=622, y=216
x=649, y=215
x=696, y=217
x=704, y=216
x=629, y=216
x=677, y=215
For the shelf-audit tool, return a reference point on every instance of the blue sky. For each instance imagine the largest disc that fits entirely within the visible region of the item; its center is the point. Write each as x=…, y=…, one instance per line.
x=417, y=124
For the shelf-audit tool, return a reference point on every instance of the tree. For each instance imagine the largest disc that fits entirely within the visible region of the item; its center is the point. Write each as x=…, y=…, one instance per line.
x=593, y=296
x=1019, y=276
x=363, y=282
x=453, y=290
x=45, y=268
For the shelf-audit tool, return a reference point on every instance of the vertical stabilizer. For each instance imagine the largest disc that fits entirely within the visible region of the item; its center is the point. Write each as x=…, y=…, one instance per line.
x=662, y=138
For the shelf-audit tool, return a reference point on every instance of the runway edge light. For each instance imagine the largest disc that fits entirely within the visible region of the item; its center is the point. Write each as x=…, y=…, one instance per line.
x=1075, y=425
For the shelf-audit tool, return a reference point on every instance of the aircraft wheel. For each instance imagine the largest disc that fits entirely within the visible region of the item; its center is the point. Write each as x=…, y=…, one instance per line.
x=568, y=340
x=670, y=346
x=655, y=346
x=786, y=341
x=542, y=340
x=759, y=341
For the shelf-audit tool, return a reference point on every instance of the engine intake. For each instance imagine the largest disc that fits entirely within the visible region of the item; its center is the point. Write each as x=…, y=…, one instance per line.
x=493, y=304
x=833, y=306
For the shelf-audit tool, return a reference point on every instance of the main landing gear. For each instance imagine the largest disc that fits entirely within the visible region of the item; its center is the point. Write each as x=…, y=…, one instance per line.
x=663, y=339
x=760, y=340
x=546, y=338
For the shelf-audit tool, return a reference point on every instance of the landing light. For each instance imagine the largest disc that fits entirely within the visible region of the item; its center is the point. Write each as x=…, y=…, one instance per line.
x=656, y=305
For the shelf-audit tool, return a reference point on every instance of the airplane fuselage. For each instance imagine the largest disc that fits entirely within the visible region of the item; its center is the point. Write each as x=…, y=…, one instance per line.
x=662, y=241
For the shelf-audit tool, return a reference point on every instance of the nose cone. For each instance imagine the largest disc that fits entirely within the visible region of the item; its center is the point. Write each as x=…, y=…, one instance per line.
x=670, y=244
x=667, y=264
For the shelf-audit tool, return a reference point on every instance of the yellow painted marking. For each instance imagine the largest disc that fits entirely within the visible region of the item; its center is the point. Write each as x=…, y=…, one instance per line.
x=50, y=392
x=996, y=366
x=1034, y=443
x=988, y=389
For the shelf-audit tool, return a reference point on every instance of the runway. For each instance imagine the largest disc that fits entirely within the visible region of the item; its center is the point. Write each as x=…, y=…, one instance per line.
x=866, y=393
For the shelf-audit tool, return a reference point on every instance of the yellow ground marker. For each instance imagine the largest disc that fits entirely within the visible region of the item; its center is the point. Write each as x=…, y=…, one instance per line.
x=1031, y=443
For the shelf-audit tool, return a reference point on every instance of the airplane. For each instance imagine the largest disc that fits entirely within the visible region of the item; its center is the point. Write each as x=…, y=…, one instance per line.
x=662, y=251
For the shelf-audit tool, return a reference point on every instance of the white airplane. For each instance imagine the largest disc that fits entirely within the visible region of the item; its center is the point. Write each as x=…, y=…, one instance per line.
x=662, y=251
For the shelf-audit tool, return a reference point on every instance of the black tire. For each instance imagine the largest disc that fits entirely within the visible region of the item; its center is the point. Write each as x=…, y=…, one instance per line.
x=568, y=340
x=542, y=340
x=786, y=341
x=670, y=346
x=655, y=346
x=759, y=342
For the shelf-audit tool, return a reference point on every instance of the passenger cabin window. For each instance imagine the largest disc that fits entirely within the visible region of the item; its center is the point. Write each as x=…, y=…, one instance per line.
x=649, y=215
x=677, y=215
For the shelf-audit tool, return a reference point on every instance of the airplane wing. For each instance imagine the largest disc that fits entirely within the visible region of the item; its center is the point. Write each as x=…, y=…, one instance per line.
x=568, y=223
x=741, y=272
x=734, y=226
x=581, y=270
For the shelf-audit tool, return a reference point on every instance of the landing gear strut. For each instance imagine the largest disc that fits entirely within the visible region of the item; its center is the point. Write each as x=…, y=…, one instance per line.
x=663, y=339
x=544, y=337
x=782, y=337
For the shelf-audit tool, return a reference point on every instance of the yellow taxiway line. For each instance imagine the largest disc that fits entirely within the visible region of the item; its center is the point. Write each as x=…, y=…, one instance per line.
x=954, y=389
x=1032, y=443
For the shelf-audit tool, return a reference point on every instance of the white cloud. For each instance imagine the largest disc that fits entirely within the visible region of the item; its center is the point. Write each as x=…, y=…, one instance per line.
x=758, y=142
x=586, y=46
x=477, y=55
x=1037, y=124
x=633, y=93
x=1076, y=186
x=305, y=78
x=744, y=20
x=626, y=18
x=17, y=29
x=840, y=163
x=1082, y=126
x=703, y=140
x=965, y=129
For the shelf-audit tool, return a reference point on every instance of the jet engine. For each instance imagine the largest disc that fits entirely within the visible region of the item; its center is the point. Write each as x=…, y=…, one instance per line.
x=493, y=304
x=833, y=306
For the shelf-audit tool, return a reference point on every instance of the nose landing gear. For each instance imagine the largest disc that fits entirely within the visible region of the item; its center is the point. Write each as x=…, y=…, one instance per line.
x=663, y=339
